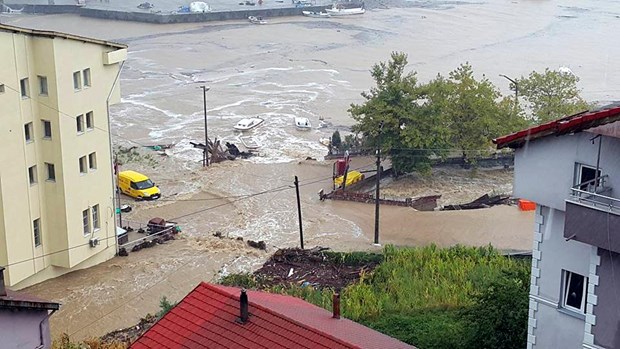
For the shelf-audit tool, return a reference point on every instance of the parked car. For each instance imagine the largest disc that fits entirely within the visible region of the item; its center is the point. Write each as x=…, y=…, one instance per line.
x=137, y=185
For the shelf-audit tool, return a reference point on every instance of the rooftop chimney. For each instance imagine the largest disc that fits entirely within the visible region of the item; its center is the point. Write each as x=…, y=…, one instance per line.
x=243, y=307
x=336, y=306
x=2, y=288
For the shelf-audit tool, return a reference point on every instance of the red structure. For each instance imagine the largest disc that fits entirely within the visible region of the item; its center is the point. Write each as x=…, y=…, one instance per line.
x=214, y=316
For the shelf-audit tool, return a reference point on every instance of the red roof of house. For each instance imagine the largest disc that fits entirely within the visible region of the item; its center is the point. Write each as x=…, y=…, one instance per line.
x=207, y=318
x=569, y=124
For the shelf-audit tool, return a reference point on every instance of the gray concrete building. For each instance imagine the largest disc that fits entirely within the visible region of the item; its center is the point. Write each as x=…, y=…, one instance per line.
x=570, y=168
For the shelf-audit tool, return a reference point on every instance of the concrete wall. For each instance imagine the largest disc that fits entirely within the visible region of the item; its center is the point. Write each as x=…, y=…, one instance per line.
x=167, y=18
x=19, y=329
x=607, y=310
x=58, y=204
x=545, y=168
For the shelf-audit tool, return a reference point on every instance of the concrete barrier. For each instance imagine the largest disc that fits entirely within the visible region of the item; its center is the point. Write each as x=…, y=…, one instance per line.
x=163, y=18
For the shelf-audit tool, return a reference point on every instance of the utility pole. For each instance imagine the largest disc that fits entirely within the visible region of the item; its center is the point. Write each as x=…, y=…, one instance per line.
x=514, y=81
x=205, y=160
x=378, y=181
x=301, y=229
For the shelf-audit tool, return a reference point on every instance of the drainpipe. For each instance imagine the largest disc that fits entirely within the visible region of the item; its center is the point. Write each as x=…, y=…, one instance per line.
x=42, y=345
x=114, y=193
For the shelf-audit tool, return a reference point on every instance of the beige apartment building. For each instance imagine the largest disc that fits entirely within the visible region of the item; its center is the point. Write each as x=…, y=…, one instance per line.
x=56, y=181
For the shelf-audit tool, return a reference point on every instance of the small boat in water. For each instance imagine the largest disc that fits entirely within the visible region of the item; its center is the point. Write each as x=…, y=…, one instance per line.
x=315, y=14
x=302, y=123
x=340, y=11
x=249, y=142
x=248, y=124
x=257, y=20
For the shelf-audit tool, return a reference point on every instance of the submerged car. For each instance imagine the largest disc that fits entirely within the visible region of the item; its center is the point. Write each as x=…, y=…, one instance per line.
x=137, y=185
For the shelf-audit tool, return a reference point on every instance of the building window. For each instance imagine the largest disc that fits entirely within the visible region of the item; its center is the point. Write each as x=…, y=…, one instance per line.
x=86, y=222
x=28, y=132
x=42, y=85
x=77, y=80
x=92, y=161
x=80, y=123
x=90, y=121
x=36, y=229
x=86, y=74
x=95, y=212
x=24, y=87
x=574, y=291
x=585, y=177
x=83, y=164
x=1, y=88
x=32, y=174
x=51, y=172
x=47, y=129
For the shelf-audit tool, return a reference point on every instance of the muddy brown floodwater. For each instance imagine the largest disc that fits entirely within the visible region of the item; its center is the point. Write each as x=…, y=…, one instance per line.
x=313, y=68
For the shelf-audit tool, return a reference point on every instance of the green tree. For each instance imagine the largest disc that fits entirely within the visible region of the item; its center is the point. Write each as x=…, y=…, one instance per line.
x=336, y=140
x=395, y=103
x=498, y=319
x=552, y=95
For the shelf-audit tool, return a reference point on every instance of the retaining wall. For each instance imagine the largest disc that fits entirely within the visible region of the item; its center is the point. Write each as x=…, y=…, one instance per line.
x=166, y=18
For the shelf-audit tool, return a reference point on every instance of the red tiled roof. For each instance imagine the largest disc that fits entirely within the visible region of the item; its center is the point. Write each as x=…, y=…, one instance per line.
x=21, y=300
x=569, y=124
x=207, y=318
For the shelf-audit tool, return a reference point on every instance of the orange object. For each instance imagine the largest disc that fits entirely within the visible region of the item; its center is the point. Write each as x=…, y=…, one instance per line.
x=525, y=205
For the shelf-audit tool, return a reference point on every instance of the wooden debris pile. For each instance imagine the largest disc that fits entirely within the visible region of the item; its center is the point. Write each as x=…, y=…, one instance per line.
x=484, y=201
x=310, y=268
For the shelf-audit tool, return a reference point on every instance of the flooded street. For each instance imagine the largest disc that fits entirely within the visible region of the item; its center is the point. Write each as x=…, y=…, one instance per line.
x=297, y=66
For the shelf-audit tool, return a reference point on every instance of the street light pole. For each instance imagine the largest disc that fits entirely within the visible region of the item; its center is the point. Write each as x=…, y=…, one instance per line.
x=378, y=181
x=514, y=81
x=205, y=159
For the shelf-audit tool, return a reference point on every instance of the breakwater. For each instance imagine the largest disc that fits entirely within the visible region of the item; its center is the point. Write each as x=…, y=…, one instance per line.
x=165, y=18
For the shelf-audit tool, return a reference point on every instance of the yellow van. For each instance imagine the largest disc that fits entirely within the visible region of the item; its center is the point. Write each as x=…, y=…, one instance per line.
x=137, y=185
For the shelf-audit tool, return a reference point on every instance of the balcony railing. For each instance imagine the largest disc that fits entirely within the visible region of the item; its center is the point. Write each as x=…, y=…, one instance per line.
x=591, y=193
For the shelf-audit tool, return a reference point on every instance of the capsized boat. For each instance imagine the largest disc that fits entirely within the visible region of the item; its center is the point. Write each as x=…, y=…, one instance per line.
x=302, y=123
x=315, y=14
x=257, y=20
x=249, y=142
x=248, y=123
x=339, y=11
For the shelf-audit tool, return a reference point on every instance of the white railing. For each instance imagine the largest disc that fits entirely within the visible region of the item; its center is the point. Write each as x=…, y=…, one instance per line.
x=590, y=196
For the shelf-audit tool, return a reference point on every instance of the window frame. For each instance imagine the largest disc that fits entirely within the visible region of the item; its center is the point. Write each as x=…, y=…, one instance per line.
x=92, y=165
x=86, y=222
x=45, y=129
x=32, y=175
x=83, y=165
x=566, y=279
x=36, y=232
x=51, y=175
x=43, y=82
x=79, y=123
x=24, y=88
x=90, y=119
x=28, y=132
x=77, y=80
x=86, y=81
x=96, y=224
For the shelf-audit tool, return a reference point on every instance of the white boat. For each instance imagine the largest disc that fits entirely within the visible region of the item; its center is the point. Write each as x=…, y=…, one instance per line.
x=302, y=123
x=339, y=11
x=315, y=14
x=249, y=142
x=257, y=20
x=248, y=124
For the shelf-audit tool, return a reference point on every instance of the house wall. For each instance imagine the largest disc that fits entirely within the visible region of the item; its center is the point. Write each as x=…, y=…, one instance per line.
x=556, y=327
x=545, y=168
x=606, y=331
x=58, y=204
x=19, y=329
x=545, y=171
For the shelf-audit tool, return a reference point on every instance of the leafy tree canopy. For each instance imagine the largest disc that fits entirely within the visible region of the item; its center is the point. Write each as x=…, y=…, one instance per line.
x=551, y=95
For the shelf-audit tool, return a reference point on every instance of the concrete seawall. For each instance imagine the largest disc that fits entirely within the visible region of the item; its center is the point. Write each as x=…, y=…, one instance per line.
x=164, y=18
